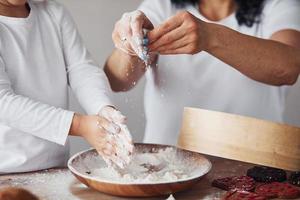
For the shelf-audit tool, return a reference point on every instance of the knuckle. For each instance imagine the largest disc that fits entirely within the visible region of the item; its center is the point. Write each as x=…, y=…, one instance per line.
x=117, y=26
x=167, y=25
x=129, y=47
x=185, y=14
x=114, y=37
x=194, y=36
x=192, y=24
x=180, y=13
x=115, y=33
x=167, y=39
x=193, y=48
x=125, y=15
x=137, y=15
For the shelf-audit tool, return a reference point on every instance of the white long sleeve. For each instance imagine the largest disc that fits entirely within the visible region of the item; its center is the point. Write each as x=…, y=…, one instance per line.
x=30, y=116
x=40, y=57
x=86, y=79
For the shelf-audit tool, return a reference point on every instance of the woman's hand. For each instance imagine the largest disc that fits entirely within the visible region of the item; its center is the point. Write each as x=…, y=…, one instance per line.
x=181, y=34
x=128, y=32
x=107, y=133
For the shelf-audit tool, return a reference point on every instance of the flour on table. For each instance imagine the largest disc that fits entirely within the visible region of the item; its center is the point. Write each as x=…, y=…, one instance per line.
x=47, y=185
x=151, y=167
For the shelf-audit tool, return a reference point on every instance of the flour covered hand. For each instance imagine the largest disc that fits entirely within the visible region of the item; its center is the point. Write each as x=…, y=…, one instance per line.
x=118, y=137
x=129, y=34
x=107, y=133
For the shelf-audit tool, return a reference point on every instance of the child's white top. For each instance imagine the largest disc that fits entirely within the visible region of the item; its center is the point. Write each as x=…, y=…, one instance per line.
x=39, y=56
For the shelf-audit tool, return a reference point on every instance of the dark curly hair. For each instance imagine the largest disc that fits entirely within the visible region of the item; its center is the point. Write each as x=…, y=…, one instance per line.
x=248, y=12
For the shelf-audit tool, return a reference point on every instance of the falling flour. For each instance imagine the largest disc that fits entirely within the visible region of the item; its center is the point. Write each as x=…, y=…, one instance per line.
x=161, y=166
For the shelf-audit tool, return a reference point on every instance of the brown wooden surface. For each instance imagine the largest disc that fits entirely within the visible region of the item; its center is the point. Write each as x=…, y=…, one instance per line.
x=241, y=138
x=71, y=189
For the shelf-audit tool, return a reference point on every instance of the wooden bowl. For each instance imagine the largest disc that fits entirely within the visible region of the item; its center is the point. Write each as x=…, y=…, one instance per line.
x=78, y=166
x=241, y=138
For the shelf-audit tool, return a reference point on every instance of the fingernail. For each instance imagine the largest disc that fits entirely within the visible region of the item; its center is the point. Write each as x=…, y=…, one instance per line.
x=109, y=147
x=107, y=152
x=150, y=48
x=118, y=129
x=145, y=41
x=143, y=56
x=113, y=128
x=122, y=120
x=138, y=40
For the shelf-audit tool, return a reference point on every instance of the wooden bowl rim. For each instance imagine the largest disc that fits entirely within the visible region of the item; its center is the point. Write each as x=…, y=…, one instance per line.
x=193, y=178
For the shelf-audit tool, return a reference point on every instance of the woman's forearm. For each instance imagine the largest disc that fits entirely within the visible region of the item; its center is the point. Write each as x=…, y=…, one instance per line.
x=123, y=71
x=267, y=61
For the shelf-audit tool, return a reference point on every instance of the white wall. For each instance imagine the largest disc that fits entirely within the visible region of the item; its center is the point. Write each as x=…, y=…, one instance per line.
x=95, y=19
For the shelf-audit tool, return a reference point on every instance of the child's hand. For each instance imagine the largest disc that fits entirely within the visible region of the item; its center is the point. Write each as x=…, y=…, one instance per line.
x=122, y=138
x=107, y=133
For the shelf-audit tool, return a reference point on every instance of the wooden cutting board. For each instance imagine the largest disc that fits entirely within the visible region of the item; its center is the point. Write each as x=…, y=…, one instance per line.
x=241, y=138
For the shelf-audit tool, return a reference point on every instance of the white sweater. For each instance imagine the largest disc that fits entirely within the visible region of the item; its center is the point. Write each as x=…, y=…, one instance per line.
x=39, y=57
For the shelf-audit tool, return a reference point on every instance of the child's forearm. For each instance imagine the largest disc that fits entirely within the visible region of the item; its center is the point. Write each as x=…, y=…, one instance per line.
x=75, y=125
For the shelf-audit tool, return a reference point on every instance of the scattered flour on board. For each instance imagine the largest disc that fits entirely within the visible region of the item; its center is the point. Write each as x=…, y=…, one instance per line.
x=46, y=185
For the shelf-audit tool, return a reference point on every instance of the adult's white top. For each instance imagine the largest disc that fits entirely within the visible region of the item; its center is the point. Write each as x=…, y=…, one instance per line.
x=40, y=56
x=205, y=82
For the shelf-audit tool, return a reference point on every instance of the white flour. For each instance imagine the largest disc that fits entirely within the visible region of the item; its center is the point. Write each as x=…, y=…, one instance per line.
x=161, y=166
x=171, y=197
x=45, y=185
x=123, y=140
x=124, y=148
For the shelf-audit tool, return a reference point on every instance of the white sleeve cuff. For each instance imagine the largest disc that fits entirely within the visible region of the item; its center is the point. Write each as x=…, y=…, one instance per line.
x=64, y=128
x=95, y=108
